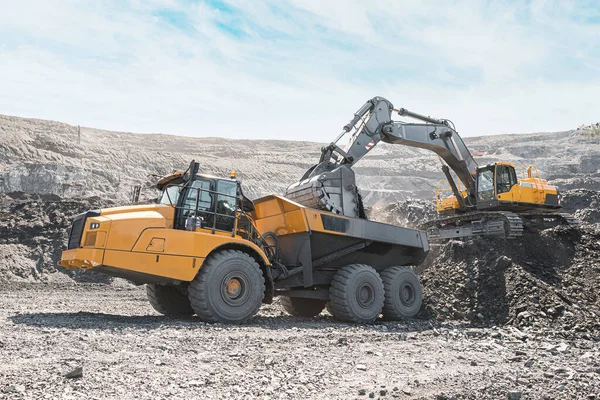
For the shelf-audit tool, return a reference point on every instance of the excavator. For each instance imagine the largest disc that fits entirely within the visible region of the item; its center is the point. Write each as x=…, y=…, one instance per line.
x=486, y=200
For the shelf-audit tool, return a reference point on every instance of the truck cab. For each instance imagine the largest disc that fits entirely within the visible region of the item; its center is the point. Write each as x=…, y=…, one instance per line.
x=205, y=202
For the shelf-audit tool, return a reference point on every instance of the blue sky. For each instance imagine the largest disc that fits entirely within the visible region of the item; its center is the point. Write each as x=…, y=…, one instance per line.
x=298, y=69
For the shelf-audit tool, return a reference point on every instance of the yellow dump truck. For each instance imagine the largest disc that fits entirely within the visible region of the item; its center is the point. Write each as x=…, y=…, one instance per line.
x=204, y=248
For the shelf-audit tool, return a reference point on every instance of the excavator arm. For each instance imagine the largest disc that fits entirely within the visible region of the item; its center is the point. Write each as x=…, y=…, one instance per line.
x=331, y=183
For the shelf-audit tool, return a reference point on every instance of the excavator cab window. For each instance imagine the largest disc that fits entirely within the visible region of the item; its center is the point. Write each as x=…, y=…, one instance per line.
x=506, y=177
x=485, y=184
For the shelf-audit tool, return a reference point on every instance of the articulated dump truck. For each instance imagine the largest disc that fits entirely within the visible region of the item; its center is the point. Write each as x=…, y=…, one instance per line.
x=204, y=248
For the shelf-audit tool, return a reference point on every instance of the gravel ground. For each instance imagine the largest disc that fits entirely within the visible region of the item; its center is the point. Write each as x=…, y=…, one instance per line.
x=128, y=351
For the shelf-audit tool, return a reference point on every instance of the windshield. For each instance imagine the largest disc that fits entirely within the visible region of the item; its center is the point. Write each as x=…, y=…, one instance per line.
x=170, y=195
x=485, y=185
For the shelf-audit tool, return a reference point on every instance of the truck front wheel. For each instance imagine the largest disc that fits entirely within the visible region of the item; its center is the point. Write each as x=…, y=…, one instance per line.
x=169, y=300
x=229, y=288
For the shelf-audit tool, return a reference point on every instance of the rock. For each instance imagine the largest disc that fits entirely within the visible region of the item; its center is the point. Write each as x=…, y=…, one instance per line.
x=514, y=395
x=383, y=392
x=503, y=262
x=371, y=395
x=75, y=373
x=269, y=361
x=562, y=347
x=362, y=392
x=361, y=367
x=530, y=362
x=406, y=391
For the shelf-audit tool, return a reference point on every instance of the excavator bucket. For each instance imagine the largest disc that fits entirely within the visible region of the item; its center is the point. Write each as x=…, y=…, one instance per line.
x=333, y=191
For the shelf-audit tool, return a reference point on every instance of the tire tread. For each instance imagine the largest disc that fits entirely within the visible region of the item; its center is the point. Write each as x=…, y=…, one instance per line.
x=338, y=292
x=197, y=290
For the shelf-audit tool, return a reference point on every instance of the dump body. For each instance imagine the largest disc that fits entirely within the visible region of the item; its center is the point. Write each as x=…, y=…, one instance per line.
x=326, y=240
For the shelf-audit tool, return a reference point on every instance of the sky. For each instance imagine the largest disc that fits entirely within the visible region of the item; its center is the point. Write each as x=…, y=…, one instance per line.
x=299, y=69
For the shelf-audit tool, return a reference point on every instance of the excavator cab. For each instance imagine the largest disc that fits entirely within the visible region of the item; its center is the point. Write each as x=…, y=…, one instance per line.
x=493, y=180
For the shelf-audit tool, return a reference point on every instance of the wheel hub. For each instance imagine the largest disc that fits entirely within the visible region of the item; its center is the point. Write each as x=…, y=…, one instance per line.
x=365, y=295
x=407, y=294
x=233, y=287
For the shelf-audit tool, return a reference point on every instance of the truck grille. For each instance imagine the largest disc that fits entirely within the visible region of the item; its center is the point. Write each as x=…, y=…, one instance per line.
x=78, y=227
x=76, y=231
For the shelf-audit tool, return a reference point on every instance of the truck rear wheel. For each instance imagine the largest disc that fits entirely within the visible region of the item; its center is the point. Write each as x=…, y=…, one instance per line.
x=356, y=294
x=302, y=307
x=170, y=300
x=229, y=288
x=403, y=293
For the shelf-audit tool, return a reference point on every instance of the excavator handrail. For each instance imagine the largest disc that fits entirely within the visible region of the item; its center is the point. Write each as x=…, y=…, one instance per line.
x=442, y=193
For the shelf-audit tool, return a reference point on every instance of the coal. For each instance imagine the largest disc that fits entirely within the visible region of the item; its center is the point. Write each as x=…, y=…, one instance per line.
x=545, y=280
x=33, y=233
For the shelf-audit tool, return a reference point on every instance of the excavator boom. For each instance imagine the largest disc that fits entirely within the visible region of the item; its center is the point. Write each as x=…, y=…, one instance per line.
x=331, y=183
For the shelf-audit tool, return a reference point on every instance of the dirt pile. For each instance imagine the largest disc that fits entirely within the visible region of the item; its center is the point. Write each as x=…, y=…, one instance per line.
x=543, y=280
x=546, y=280
x=33, y=233
x=584, y=204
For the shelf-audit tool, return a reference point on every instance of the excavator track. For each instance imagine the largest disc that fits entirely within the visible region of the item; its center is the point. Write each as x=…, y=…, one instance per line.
x=483, y=223
x=494, y=223
x=541, y=221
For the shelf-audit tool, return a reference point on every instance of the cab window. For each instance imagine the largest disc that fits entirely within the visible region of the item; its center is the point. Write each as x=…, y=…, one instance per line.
x=485, y=184
x=200, y=192
x=504, y=178
x=170, y=195
x=226, y=204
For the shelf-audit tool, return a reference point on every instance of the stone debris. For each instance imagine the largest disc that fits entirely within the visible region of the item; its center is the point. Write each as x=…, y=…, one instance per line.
x=75, y=373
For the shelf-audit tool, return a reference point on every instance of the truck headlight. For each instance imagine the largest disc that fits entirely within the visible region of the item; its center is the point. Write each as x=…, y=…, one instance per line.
x=94, y=225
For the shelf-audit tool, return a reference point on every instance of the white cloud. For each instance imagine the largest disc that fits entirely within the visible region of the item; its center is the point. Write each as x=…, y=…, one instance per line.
x=302, y=67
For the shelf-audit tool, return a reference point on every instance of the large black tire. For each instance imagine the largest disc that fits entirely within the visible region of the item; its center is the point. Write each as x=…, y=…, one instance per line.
x=302, y=307
x=229, y=288
x=356, y=294
x=403, y=293
x=169, y=300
